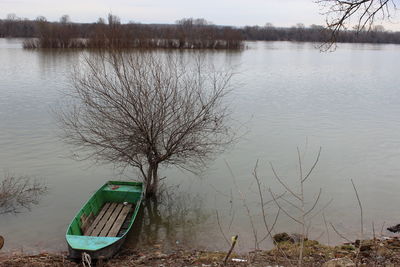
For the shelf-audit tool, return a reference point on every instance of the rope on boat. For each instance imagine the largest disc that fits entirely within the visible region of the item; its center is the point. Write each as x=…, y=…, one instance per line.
x=86, y=259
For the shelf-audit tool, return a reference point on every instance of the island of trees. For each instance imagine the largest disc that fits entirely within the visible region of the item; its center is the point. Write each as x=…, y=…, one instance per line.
x=111, y=33
x=186, y=33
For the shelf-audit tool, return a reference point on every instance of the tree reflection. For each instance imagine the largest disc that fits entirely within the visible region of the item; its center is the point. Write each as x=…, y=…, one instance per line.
x=173, y=218
x=19, y=193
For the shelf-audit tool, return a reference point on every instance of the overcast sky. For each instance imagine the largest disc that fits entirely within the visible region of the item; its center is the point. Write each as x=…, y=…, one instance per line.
x=222, y=12
x=284, y=13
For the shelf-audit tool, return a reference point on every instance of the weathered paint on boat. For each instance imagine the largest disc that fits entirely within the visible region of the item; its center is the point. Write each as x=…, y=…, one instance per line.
x=98, y=246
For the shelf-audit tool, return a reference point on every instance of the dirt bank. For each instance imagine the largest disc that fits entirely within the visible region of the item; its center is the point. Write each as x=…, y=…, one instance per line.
x=382, y=252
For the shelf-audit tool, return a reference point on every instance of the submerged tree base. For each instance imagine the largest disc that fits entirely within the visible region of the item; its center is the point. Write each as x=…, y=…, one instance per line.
x=376, y=252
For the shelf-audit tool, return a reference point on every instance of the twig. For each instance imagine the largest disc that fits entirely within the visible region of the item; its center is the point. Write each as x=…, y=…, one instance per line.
x=303, y=220
x=231, y=211
x=326, y=228
x=383, y=225
x=290, y=203
x=361, y=209
x=278, y=197
x=245, y=206
x=322, y=209
x=263, y=204
x=272, y=227
x=315, y=203
x=361, y=222
x=375, y=245
x=17, y=193
x=220, y=228
x=269, y=230
x=373, y=230
x=313, y=166
x=284, y=211
x=339, y=234
x=234, y=241
x=283, y=184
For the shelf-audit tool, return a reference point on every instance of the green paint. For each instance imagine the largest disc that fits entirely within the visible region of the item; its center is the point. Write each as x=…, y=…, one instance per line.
x=91, y=243
x=112, y=191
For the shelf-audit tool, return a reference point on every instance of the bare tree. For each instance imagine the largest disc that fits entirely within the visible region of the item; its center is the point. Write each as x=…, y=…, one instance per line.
x=18, y=193
x=41, y=19
x=144, y=109
x=11, y=17
x=303, y=214
x=65, y=19
x=363, y=12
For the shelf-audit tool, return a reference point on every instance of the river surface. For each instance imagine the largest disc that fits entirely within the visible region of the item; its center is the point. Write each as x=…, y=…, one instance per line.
x=285, y=95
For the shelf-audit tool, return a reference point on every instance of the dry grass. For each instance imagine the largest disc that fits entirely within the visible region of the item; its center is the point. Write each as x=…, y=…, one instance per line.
x=42, y=260
x=373, y=253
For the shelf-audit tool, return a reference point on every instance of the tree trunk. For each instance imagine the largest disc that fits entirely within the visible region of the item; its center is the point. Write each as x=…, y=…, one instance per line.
x=151, y=180
x=155, y=179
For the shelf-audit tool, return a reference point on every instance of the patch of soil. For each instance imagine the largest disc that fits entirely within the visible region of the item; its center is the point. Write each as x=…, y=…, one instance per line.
x=378, y=252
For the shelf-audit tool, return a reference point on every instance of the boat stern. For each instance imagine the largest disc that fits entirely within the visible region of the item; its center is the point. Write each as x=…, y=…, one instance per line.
x=95, y=246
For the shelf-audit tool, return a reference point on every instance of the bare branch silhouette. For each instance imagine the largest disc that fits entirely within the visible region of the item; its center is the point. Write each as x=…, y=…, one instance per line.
x=304, y=215
x=339, y=234
x=144, y=110
x=359, y=14
x=18, y=193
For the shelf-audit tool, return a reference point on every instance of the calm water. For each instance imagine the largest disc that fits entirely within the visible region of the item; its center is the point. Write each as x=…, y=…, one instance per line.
x=285, y=95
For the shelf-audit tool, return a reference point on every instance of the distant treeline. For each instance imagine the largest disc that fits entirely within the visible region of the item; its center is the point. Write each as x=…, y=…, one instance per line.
x=186, y=33
x=317, y=33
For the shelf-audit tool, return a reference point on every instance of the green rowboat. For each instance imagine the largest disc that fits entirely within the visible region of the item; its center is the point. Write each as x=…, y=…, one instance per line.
x=102, y=224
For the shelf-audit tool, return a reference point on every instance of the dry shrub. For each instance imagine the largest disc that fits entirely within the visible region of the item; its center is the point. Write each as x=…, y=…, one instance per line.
x=17, y=193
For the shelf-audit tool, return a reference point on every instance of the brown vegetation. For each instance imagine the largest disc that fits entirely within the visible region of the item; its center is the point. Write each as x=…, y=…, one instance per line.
x=186, y=33
x=18, y=193
x=375, y=252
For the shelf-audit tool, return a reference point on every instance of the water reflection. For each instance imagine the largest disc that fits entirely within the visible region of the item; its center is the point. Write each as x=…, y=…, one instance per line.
x=50, y=60
x=174, y=219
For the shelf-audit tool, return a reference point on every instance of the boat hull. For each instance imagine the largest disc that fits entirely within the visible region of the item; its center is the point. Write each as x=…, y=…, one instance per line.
x=104, y=245
x=104, y=253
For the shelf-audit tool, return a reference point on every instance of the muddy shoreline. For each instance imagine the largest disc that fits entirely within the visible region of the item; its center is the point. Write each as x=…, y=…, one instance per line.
x=373, y=252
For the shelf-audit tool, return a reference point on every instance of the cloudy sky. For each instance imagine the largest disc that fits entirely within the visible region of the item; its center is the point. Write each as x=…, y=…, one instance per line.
x=222, y=12
x=284, y=13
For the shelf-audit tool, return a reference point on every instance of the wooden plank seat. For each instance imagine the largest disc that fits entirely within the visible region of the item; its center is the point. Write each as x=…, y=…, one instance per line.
x=109, y=220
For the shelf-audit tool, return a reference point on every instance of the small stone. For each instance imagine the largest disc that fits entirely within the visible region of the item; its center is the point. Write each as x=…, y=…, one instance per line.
x=341, y=262
x=141, y=259
x=160, y=255
x=239, y=260
x=281, y=237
